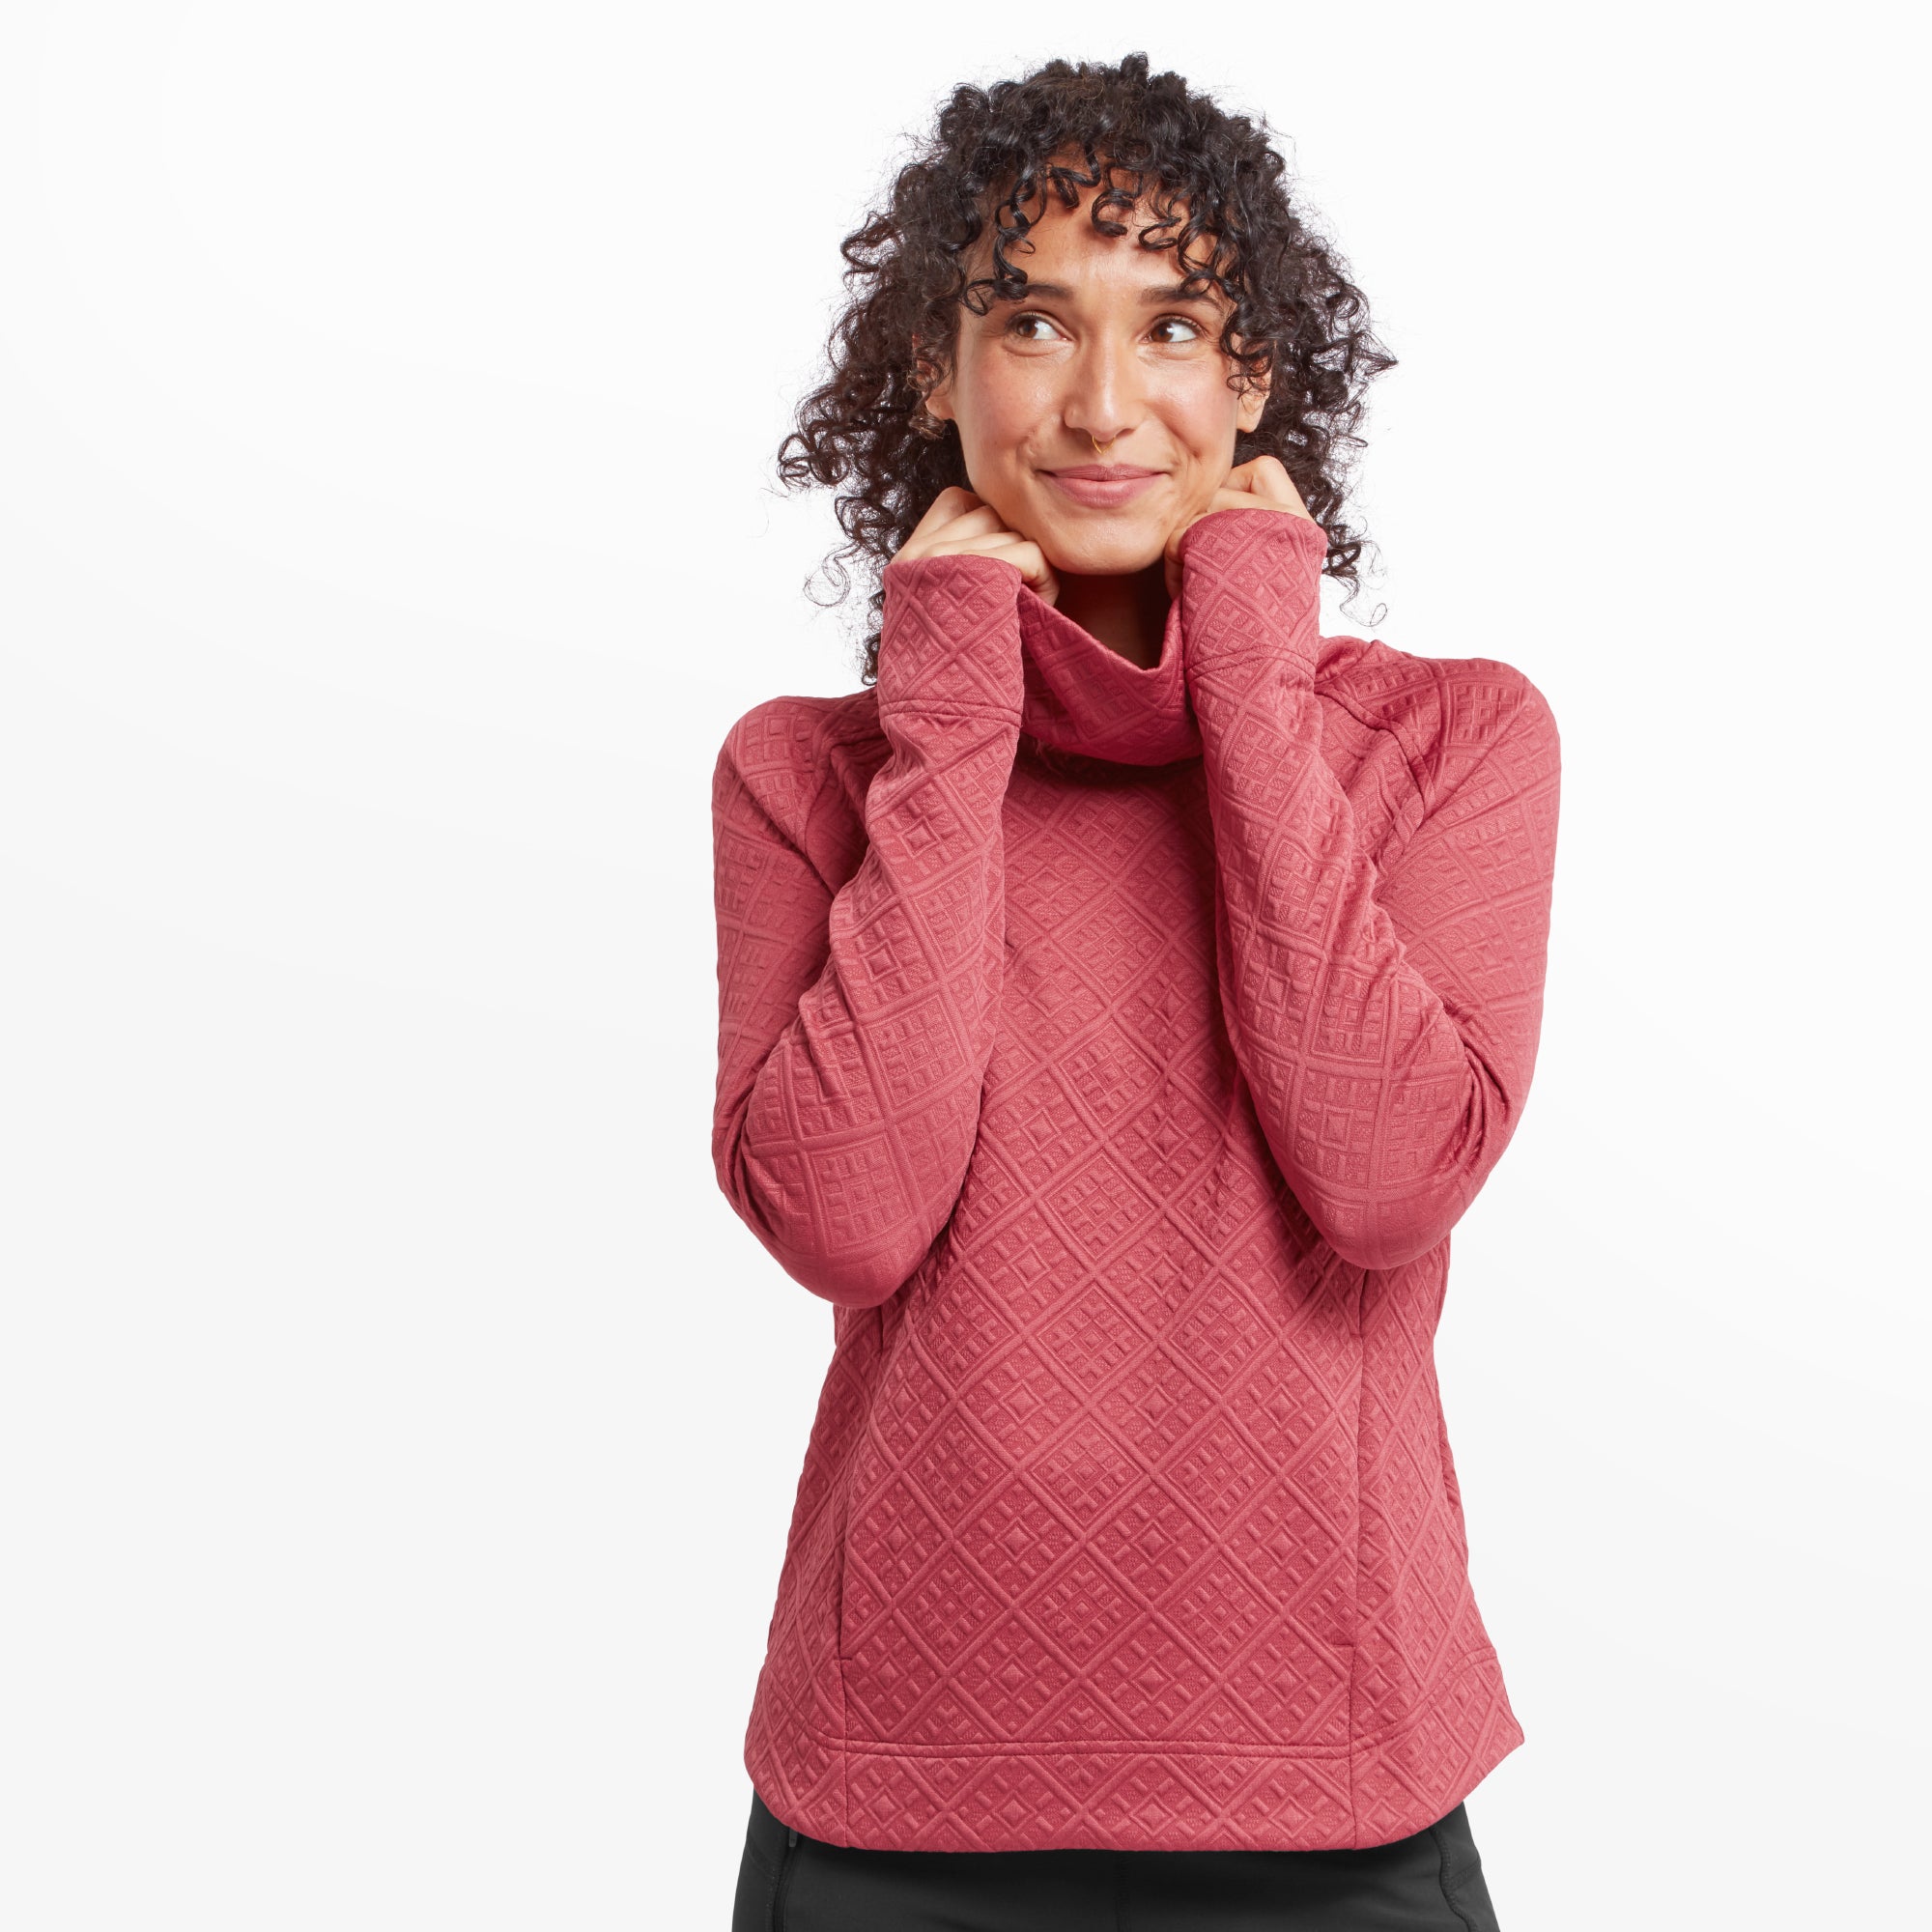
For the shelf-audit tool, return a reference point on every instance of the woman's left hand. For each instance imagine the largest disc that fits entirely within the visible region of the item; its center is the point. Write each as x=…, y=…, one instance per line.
x=1261, y=483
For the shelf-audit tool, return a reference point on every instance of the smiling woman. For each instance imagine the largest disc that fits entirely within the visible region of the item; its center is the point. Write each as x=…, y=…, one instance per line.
x=992, y=276
x=1103, y=346
x=1121, y=1000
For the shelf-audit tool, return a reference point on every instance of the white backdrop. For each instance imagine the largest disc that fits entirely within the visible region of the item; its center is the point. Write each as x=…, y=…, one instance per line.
x=397, y=1430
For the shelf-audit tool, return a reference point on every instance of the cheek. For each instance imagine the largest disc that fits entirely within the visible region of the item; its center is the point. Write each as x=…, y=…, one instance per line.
x=1000, y=402
x=1205, y=414
x=1004, y=416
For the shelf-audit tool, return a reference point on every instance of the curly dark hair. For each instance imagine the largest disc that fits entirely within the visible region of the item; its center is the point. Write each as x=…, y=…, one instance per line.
x=1211, y=181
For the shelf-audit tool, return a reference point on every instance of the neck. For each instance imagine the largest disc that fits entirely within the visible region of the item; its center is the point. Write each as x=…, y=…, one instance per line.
x=1128, y=615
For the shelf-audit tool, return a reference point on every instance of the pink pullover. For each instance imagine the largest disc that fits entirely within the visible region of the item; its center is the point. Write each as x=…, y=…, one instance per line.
x=1115, y=1050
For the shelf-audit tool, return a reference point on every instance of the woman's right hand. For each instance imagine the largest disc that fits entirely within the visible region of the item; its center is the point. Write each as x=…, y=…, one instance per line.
x=960, y=524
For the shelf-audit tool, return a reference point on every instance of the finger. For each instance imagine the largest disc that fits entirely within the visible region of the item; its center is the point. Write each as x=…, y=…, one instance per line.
x=963, y=533
x=1268, y=477
x=1264, y=477
x=951, y=503
x=1008, y=547
x=1229, y=499
x=1226, y=498
x=979, y=542
x=982, y=520
x=1034, y=567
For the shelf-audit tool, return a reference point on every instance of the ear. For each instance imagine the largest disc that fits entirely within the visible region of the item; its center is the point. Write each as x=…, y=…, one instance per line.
x=1254, y=402
x=937, y=389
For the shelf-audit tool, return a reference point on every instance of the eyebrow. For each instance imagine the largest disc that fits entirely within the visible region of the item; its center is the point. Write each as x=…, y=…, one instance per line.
x=1172, y=292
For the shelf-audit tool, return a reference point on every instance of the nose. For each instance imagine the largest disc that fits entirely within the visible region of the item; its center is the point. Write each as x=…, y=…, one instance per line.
x=1103, y=397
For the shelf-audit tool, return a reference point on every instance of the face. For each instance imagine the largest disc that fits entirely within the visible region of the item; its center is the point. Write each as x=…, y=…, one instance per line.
x=1100, y=346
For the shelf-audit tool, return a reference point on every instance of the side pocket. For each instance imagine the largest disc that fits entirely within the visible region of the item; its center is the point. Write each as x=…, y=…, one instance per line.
x=860, y=1478
x=751, y=1904
x=788, y=1864
x=842, y=1559
x=1465, y=1889
x=764, y=1875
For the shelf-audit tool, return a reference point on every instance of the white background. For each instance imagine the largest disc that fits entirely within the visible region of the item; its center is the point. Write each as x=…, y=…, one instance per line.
x=397, y=1430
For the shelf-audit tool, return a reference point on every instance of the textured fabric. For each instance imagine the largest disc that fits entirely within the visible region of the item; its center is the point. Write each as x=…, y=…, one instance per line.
x=1115, y=1048
x=1430, y=1881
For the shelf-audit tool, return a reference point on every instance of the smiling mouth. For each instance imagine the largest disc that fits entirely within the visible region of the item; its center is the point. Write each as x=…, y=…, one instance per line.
x=1101, y=486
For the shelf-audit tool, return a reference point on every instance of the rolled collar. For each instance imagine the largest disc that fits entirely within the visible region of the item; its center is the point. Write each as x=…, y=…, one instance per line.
x=1082, y=697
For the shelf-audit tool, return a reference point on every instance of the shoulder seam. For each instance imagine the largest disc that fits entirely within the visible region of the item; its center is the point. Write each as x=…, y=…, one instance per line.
x=1424, y=771
x=835, y=722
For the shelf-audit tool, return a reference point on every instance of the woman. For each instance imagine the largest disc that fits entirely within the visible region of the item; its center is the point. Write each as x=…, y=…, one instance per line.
x=1121, y=998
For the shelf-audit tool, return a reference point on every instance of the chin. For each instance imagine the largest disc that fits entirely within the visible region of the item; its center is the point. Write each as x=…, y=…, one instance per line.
x=1098, y=553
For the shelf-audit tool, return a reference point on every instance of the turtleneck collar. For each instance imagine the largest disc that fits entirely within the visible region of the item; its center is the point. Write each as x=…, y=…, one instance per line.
x=1081, y=696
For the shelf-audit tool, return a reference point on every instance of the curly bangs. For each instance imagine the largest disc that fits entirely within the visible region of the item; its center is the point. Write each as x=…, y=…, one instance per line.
x=1214, y=190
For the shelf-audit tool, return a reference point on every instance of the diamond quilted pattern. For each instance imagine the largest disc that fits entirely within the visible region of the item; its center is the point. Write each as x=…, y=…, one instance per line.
x=1116, y=1049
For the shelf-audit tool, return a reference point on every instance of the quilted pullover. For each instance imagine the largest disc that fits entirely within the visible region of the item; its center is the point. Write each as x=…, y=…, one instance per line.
x=1116, y=1049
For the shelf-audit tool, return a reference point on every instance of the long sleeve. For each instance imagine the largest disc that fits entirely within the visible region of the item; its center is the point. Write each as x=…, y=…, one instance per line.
x=1385, y=1025
x=855, y=1025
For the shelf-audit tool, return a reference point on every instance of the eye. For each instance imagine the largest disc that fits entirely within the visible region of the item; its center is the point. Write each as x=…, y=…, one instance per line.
x=1193, y=328
x=1018, y=325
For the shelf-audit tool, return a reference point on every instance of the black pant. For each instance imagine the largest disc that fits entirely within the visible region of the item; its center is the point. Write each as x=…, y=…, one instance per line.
x=1432, y=1882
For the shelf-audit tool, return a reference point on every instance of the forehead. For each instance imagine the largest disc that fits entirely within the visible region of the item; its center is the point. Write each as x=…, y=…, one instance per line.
x=1064, y=247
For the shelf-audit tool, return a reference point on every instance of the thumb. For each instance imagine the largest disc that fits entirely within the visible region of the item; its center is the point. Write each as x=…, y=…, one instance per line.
x=1170, y=555
x=1039, y=573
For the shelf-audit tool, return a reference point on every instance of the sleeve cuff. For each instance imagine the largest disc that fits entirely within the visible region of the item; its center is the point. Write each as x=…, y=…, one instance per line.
x=1225, y=537
x=950, y=641
x=1250, y=591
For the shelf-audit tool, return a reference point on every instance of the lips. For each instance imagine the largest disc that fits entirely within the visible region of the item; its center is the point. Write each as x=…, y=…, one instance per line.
x=1102, y=485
